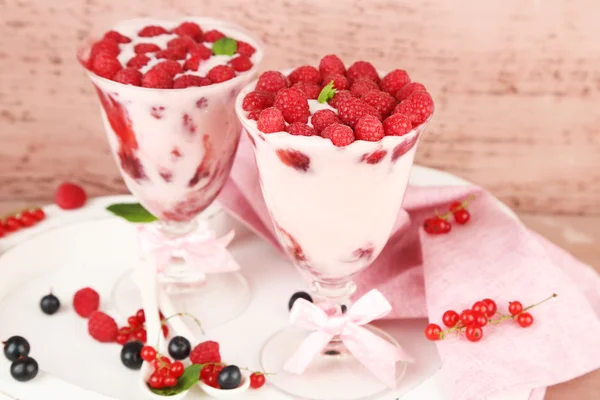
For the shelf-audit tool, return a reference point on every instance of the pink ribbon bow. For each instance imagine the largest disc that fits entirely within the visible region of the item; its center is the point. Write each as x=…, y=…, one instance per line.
x=374, y=352
x=202, y=249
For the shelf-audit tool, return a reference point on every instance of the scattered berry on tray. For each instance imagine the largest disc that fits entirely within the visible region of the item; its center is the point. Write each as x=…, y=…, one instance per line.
x=16, y=347
x=50, y=304
x=24, y=369
x=102, y=327
x=70, y=196
x=86, y=301
x=131, y=355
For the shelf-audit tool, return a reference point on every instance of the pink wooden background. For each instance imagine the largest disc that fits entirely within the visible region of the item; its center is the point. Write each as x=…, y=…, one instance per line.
x=517, y=86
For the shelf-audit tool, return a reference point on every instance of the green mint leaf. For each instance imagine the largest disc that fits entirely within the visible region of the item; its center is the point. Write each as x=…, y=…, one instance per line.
x=327, y=93
x=132, y=212
x=190, y=377
x=224, y=46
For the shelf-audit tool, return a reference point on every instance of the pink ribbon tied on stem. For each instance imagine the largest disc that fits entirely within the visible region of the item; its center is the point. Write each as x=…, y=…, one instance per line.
x=201, y=249
x=375, y=353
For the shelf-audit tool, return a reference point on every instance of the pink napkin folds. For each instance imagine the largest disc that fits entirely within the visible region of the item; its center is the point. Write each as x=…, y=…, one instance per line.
x=493, y=256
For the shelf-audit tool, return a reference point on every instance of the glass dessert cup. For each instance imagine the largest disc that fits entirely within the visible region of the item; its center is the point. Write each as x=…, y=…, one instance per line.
x=333, y=209
x=174, y=149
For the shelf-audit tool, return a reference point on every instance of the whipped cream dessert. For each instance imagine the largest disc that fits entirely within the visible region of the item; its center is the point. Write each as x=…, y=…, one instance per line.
x=169, y=113
x=333, y=198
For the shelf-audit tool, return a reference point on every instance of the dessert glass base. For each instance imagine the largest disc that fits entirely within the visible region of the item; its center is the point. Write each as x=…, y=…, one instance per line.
x=333, y=375
x=217, y=300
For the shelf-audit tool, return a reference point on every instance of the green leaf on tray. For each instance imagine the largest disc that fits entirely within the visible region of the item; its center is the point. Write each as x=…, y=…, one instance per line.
x=190, y=377
x=132, y=212
x=224, y=46
x=327, y=93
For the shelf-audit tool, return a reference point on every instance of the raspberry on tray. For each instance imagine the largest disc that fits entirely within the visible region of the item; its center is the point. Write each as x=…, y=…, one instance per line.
x=338, y=104
x=207, y=55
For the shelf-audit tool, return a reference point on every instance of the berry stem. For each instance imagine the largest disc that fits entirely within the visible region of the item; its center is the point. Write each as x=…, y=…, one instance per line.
x=541, y=302
x=463, y=206
x=163, y=322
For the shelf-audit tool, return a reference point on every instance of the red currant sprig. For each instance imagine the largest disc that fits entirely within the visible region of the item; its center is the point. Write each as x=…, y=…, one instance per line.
x=470, y=322
x=136, y=329
x=166, y=372
x=22, y=219
x=440, y=224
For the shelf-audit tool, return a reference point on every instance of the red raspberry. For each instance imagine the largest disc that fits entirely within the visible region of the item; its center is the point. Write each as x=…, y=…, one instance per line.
x=257, y=101
x=339, y=81
x=138, y=61
x=151, y=31
x=300, y=129
x=245, y=49
x=213, y=35
x=142, y=48
x=270, y=120
x=383, y=102
x=185, y=42
x=394, y=81
x=201, y=51
x=293, y=105
x=397, y=125
x=70, y=196
x=417, y=107
x=172, y=53
x=408, y=89
x=102, y=327
x=272, y=82
x=129, y=76
x=295, y=159
x=117, y=37
x=323, y=118
x=157, y=79
x=221, y=73
x=305, y=73
x=190, y=29
x=86, y=301
x=351, y=110
x=185, y=81
x=362, y=86
x=171, y=67
x=362, y=69
x=254, y=115
x=310, y=90
x=369, y=128
x=339, y=134
x=206, y=352
x=106, y=66
x=104, y=46
x=192, y=64
x=241, y=63
x=331, y=64
x=339, y=97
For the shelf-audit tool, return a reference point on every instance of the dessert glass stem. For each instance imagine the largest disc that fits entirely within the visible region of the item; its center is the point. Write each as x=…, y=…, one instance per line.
x=334, y=295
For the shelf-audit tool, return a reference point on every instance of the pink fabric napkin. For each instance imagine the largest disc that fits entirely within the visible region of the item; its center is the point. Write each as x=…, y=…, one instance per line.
x=492, y=256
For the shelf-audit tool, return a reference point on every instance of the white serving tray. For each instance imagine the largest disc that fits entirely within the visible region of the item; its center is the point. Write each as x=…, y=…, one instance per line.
x=91, y=247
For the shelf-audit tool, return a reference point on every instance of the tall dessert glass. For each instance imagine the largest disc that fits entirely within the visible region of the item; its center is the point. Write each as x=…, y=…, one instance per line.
x=175, y=149
x=333, y=210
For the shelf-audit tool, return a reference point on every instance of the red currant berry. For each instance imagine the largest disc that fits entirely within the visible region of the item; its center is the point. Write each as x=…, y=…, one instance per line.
x=12, y=224
x=170, y=381
x=480, y=319
x=444, y=226
x=206, y=371
x=122, y=339
x=515, y=307
x=38, y=214
x=474, y=333
x=525, y=320
x=467, y=317
x=156, y=381
x=141, y=335
x=177, y=369
x=26, y=219
x=450, y=318
x=455, y=206
x=3, y=231
x=148, y=353
x=480, y=307
x=140, y=315
x=462, y=217
x=491, y=307
x=432, y=332
x=257, y=380
x=164, y=371
x=133, y=321
x=429, y=225
x=165, y=360
x=211, y=380
x=165, y=330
